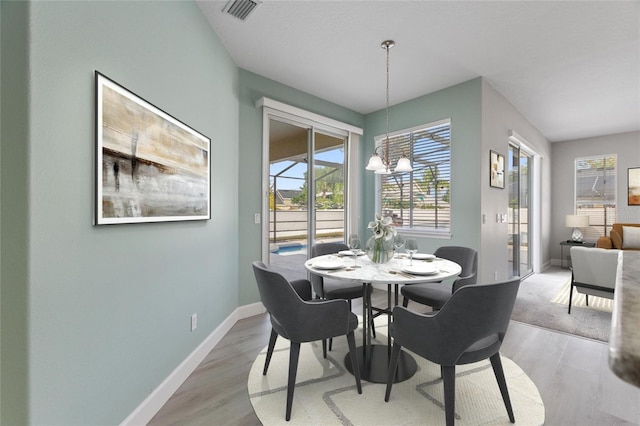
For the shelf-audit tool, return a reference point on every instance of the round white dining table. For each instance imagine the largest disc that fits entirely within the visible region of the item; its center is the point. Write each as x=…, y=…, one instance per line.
x=373, y=360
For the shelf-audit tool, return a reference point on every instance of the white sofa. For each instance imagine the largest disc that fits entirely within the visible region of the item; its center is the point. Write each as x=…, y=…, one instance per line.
x=593, y=272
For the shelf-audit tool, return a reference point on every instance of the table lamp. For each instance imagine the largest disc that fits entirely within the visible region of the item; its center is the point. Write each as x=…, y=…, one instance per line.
x=576, y=222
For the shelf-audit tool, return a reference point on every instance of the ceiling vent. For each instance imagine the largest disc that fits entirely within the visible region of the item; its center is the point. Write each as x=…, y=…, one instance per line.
x=241, y=9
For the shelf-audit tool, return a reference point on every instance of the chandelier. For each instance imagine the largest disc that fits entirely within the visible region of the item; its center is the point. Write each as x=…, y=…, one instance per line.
x=380, y=163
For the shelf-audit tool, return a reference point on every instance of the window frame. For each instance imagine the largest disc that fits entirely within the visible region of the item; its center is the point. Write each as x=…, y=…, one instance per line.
x=428, y=232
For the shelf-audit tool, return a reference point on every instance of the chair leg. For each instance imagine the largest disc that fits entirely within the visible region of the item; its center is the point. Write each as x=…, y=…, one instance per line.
x=324, y=348
x=294, y=355
x=570, y=295
x=354, y=359
x=586, y=298
x=331, y=343
x=449, y=382
x=405, y=301
x=272, y=344
x=393, y=366
x=496, y=363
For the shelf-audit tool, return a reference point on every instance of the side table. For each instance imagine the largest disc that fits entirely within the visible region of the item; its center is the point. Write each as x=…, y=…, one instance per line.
x=571, y=243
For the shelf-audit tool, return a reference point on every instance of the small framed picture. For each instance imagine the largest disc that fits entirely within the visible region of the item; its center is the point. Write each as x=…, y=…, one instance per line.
x=496, y=170
x=633, y=186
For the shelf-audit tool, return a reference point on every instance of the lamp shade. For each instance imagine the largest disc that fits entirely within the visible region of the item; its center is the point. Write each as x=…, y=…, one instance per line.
x=375, y=163
x=576, y=221
x=404, y=165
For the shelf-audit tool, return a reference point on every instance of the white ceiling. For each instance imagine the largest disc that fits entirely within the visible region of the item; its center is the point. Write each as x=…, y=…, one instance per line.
x=571, y=67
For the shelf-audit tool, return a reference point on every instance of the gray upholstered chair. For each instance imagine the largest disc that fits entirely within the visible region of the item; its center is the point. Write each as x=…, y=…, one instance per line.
x=593, y=272
x=302, y=321
x=470, y=327
x=436, y=294
x=329, y=289
x=333, y=289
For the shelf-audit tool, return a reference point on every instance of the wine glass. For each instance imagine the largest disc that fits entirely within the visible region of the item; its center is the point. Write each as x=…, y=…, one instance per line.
x=398, y=243
x=354, y=245
x=411, y=246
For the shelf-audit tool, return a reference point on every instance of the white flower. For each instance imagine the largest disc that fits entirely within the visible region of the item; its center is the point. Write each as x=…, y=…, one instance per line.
x=389, y=233
x=382, y=227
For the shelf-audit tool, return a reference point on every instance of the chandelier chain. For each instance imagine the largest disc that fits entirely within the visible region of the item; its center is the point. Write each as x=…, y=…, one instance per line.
x=380, y=162
x=386, y=151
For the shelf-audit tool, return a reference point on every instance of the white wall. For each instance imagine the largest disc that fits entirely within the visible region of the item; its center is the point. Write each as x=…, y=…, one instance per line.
x=563, y=155
x=499, y=117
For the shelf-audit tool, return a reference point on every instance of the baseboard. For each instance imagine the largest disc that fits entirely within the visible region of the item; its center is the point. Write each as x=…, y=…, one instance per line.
x=247, y=311
x=160, y=395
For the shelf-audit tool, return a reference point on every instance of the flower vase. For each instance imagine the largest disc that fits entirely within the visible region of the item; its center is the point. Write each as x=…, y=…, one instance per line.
x=379, y=250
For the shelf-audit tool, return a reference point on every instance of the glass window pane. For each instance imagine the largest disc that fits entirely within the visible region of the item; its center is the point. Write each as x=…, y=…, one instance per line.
x=420, y=199
x=595, y=179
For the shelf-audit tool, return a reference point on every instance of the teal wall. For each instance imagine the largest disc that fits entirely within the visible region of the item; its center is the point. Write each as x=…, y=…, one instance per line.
x=252, y=88
x=94, y=318
x=462, y=103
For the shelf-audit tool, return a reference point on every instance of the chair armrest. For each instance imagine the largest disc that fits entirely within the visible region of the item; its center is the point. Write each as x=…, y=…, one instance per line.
x=303, y=288
x=322, y=319
x=616, y=239
x=463, y=281
x=604, y=243
x=317, y=282
x=409, y=324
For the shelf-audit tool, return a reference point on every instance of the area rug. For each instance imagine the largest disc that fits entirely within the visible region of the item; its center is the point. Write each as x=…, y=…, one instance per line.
x=326, y=394
x=533, y=306
x=580, y=299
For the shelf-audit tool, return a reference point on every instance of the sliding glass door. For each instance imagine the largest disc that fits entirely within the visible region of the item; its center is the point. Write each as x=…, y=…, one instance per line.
x=307, y=187
x=519, y=244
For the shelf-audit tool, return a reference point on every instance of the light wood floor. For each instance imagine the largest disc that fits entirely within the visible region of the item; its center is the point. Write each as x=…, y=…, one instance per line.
x=571, y=373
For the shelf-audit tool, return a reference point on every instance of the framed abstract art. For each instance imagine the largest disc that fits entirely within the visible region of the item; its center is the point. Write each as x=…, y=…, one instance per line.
x=633, y=186
x=150, y=167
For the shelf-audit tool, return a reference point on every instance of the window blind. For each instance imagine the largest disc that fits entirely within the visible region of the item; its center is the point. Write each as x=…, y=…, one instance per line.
x=595, y=180
x=420, y=199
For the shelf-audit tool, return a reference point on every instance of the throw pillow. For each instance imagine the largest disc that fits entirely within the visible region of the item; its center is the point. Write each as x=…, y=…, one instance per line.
x=631, y=237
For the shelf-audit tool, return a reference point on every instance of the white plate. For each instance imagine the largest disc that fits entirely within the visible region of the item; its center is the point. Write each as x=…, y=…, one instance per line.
x=327, y=264
x=349, y=253
x=423, y=256
x=421, y=269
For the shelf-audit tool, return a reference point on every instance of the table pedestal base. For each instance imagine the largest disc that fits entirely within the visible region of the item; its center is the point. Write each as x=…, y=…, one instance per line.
x=376, y=367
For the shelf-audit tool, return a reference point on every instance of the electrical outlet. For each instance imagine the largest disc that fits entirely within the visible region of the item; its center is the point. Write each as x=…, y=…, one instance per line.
x=495, y=276
x=194, y=322
x=256, y=218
